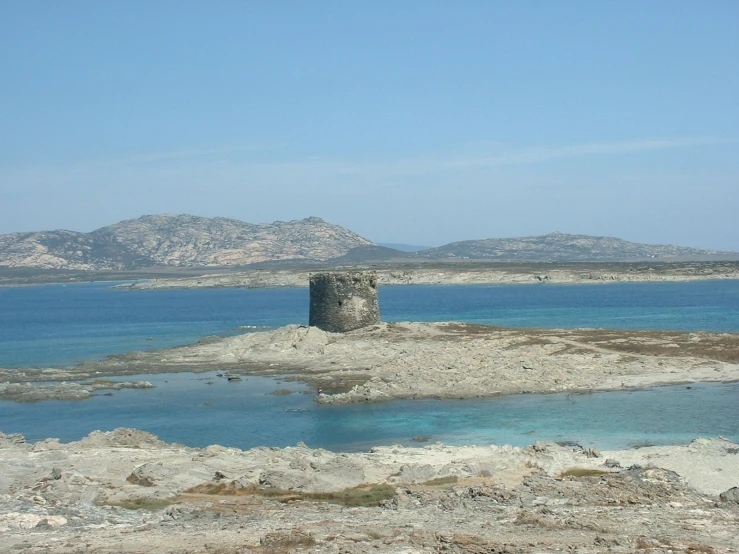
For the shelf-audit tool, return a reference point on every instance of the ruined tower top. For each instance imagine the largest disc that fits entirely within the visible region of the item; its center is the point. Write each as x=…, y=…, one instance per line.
x=341, y=302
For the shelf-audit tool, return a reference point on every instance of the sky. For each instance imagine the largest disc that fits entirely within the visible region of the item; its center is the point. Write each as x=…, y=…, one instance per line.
x=406, y=121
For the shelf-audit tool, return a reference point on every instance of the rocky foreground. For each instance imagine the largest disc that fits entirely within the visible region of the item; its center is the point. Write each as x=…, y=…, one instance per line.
x=125, y=491
x=422, y=360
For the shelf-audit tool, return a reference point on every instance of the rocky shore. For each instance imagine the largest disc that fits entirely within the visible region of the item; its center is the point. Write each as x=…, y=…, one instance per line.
x=427, y=360
x=126, y=491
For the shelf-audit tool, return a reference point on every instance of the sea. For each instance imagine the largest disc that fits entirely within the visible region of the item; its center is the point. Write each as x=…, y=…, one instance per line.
x=60, y=325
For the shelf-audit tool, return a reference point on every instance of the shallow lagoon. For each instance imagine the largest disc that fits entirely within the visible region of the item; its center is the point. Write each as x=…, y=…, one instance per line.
x=203, y=409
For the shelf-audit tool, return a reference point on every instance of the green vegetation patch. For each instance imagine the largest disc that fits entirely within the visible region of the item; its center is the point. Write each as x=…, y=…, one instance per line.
x=364, y=495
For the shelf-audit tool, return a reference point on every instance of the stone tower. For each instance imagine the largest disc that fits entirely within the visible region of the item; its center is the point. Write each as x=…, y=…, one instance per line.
x=341, y=302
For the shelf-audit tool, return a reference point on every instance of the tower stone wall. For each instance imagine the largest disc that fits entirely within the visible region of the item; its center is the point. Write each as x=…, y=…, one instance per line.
x=341, y=302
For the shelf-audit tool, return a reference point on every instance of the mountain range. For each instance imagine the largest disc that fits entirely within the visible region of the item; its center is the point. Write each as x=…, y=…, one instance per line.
x=562, y=247
x=178, y=240
x=191, y=241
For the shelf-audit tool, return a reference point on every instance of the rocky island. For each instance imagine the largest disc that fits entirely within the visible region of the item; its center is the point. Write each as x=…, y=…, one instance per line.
x=389, y=361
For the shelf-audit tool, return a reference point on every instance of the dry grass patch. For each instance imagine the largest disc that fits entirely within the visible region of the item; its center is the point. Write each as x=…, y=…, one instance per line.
x=582, y=472
x=440, y=481
x=149, y=504
x=363, y=495
x=723, y=347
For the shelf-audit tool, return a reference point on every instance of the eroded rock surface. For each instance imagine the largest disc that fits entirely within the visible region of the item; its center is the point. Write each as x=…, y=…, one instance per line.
x=438, y=360
x=126, y=491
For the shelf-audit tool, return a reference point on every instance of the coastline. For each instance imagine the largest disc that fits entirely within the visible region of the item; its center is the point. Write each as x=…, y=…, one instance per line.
x=463, y=274
x=447, y=272
x=392, y=361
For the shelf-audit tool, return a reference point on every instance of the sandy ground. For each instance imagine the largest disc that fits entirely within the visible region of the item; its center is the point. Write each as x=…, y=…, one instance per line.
x=427, y=360
x=125, y=491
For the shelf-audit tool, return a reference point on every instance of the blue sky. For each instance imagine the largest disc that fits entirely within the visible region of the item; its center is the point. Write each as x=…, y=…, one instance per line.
x=407, y=121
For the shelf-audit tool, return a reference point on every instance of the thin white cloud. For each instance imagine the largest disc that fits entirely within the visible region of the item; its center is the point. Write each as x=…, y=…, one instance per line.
x=539, y=154
x=192, y=154
x=497, y=157
x=242, y=163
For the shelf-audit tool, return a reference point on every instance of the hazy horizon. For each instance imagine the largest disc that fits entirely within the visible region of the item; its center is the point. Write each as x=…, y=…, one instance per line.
x=420, y=122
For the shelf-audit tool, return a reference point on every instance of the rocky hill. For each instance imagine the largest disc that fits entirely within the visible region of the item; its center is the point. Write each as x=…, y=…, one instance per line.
x=178, y=240
x=560, y=247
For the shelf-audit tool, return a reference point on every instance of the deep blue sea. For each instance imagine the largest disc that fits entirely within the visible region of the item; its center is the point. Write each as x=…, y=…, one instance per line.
x=57, y=325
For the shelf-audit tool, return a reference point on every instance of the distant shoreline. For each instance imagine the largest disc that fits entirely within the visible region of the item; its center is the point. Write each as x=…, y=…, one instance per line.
x=461, y=274
x=425, y=273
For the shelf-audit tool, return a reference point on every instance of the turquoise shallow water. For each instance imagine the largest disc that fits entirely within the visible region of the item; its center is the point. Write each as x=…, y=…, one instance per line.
x=57, y=325
x=185, y=408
